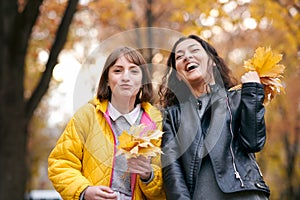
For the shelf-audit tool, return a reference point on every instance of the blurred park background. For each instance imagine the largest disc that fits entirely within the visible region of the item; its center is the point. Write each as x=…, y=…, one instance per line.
x=46, y=45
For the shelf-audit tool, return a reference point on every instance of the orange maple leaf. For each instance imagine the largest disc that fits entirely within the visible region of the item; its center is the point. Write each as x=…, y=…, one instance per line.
x=140, y=141
x=266, y=64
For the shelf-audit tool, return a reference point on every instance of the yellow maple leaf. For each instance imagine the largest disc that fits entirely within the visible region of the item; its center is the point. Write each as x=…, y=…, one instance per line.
x=126, y=141
x=149, y=151
x=141, y=140
x=266, y=64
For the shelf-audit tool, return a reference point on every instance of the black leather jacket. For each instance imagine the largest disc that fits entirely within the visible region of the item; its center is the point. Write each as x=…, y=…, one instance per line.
x=232, y=129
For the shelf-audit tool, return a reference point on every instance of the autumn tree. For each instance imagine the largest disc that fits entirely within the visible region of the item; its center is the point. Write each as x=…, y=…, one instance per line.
x=18, y=19
x=236, y=28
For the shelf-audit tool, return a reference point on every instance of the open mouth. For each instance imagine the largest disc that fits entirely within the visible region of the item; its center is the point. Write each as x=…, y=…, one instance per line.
x=191, y=66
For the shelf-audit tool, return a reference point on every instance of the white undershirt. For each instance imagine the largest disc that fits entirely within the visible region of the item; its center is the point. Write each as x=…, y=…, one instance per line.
x=130, y=117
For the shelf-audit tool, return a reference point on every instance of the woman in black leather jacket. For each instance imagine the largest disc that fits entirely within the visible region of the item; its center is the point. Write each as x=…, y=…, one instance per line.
x=211, y=133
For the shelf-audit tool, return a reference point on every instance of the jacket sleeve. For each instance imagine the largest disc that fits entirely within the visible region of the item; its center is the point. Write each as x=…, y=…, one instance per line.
x=64, y=164
x=173, y=177
x=253, y=129
x=154, y=189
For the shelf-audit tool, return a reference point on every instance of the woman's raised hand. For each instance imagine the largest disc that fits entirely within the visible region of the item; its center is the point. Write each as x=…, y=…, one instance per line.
x=141, y=166
x=251, y=76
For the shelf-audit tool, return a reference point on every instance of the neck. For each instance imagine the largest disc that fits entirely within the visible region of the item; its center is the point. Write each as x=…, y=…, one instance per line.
x=123, y=105
x=201, y=87
x=199, y=91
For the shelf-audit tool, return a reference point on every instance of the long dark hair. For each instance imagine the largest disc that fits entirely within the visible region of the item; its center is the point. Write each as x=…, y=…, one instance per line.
x=172, y=89
x=133, y=56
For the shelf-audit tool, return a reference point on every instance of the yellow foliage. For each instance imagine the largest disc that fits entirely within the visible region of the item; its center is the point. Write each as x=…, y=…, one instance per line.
x=266, y=64
x=140, y=141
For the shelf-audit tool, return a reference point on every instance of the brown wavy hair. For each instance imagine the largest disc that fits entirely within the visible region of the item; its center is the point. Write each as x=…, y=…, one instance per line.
x=134, y=56
x=172, y=90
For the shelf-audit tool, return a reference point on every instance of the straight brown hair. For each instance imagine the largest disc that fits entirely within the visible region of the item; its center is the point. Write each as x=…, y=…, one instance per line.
x=134, y=56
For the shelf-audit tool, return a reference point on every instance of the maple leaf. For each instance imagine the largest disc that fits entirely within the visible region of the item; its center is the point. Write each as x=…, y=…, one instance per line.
x=266, y=64
x=141, y=140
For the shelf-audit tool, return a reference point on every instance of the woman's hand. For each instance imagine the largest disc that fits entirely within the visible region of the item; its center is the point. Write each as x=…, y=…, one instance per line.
x=99, y=192
x=251, y=76
x=141, y=166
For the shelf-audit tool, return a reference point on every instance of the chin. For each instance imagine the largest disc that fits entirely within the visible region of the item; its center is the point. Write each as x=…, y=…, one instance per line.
x=128, y=95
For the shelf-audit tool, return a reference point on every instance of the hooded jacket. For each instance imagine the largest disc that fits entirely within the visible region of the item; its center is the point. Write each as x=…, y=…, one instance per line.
x=230, y=131
x=84, y=154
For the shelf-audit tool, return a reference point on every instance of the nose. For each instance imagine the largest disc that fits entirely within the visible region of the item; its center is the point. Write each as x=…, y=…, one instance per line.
x=126, y=75
x=188, y=55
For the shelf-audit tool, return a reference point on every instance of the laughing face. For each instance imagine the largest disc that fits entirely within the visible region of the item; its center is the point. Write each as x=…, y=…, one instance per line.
x=193, y=63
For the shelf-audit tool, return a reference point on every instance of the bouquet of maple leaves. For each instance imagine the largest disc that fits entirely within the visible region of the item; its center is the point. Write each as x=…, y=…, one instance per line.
x=141, y=140
x=266, y=64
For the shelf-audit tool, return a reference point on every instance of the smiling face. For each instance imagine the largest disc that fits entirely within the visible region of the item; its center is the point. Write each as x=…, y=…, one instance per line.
x=124, y=79
x=193, y=63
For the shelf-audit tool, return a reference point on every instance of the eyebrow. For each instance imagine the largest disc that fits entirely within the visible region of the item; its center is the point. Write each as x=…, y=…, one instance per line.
x=131, y=66
x=188, y=47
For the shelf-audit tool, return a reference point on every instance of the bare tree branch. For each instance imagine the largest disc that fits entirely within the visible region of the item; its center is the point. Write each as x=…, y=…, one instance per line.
x=15, y=31
x=58, y=44
x=25, y=22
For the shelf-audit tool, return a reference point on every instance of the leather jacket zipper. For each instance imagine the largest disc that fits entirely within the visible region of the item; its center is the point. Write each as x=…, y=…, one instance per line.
x=237, y=174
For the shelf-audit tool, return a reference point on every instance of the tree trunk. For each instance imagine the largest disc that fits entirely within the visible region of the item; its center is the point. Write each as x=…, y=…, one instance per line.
x=291, y=149
x=16, y=112
x=149, y=17
x=13, y=168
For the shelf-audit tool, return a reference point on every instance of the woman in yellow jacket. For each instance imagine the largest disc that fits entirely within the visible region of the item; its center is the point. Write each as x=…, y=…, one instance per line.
x=84, y=164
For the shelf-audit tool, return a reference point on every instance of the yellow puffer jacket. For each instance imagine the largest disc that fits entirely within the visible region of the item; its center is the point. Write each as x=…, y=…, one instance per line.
x=84, y=154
